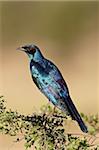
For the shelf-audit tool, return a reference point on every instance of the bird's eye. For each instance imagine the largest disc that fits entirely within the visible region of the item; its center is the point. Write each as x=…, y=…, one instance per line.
x=32, y=50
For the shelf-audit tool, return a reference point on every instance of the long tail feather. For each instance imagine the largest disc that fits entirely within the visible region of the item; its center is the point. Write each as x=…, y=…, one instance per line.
x=75, y=115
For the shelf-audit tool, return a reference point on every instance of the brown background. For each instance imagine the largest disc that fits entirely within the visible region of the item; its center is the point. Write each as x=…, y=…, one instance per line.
x=67, y=33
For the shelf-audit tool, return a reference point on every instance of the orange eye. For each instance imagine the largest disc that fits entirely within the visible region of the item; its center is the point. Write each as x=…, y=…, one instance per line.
x=32, y=50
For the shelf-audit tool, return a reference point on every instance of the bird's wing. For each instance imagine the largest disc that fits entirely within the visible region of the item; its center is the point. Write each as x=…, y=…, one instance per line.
x=51, y=83
x=64, y=101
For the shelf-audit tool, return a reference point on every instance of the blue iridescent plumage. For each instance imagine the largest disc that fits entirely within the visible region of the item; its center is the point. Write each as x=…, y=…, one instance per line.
x=50, y=82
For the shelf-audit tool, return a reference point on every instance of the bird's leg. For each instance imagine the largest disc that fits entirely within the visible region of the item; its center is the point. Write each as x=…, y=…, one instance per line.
x=46, y=108
x=54, y=110
x=48, y=111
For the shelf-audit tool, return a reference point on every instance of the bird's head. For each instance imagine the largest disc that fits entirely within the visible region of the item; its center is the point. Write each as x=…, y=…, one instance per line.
x=32, y=51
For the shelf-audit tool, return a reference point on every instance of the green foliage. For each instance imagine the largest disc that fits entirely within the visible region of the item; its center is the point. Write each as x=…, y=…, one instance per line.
x=93, y=121
x=46, y=131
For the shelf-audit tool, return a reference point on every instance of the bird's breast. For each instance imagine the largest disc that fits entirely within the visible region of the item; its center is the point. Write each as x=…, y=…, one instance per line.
x=41, y=77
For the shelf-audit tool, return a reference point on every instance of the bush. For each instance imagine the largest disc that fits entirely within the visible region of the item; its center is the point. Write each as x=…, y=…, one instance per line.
x=46, y=131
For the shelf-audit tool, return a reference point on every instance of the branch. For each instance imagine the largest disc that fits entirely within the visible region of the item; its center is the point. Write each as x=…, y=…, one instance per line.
x=46, y=130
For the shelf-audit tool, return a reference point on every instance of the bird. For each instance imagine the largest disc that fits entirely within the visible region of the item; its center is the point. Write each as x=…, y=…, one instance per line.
x=51, y=83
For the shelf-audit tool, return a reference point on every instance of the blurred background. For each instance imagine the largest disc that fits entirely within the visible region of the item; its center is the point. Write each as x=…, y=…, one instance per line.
x=67, y=33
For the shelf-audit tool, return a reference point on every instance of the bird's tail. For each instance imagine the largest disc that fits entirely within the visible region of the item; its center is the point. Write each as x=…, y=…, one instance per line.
x=75, y=115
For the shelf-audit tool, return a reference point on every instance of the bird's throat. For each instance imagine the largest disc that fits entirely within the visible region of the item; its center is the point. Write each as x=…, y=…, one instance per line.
x=30, y=57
